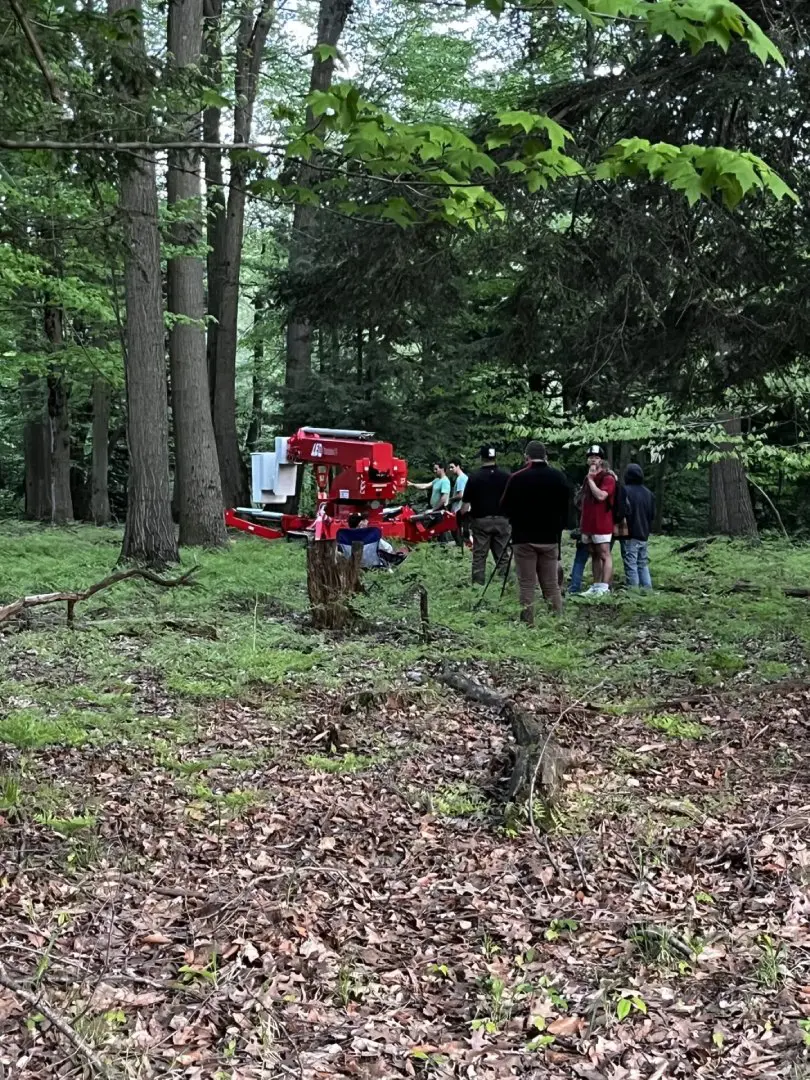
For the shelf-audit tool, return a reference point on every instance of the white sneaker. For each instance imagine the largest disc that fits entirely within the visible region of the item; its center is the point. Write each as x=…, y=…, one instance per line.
x=598, y=589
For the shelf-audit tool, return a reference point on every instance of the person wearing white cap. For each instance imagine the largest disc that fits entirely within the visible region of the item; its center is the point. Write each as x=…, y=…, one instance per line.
x=597, y=523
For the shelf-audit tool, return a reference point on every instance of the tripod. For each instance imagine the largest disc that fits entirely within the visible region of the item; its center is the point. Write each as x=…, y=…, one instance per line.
x=508, y=552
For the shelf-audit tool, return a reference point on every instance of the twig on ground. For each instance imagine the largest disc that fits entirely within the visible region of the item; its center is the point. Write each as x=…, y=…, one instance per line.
x=583, y=876
x=38, y=1002
x=554, y=865
x=752, y=874
x=172, y=891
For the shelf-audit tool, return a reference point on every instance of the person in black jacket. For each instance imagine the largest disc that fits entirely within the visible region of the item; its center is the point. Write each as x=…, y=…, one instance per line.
x=536, y=503
x=482, y=504
x=640, y=516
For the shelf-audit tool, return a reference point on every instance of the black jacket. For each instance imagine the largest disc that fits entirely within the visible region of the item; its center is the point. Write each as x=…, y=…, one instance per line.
x=640, y=504
x=484, y=490
x=536, y=503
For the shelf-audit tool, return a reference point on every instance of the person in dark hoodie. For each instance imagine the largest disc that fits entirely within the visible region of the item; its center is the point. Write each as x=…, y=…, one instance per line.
x=640, y=516
x=536, y=503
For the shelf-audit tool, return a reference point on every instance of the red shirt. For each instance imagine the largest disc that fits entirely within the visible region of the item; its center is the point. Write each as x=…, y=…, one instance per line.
x=597, y=517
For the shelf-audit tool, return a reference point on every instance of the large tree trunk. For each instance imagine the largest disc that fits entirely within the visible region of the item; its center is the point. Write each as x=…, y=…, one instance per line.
x=332, y=18
x=731, y=512
x=99, y=467
x=197, y=484
x=149, y=534
x=36, y=449
x=59, y=424
x=257, y=403
x=214, y=186
x=250, y=41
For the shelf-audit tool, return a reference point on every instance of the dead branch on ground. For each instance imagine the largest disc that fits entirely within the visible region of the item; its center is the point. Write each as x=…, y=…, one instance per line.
x=74, y=597
x=59, y=1022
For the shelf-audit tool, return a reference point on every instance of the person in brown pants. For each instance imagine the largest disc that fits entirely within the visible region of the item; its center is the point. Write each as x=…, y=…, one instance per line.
x=536, y=503
x=482, y=503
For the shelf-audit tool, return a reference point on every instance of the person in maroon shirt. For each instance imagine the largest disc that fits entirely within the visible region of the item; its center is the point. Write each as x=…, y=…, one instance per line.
x=598, y=493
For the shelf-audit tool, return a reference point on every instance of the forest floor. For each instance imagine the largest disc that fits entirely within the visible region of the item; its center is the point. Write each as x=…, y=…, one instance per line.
x=192, y=883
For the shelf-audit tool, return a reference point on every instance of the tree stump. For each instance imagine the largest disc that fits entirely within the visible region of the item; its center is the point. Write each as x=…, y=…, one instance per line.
x=538, y=756
x=332, y=580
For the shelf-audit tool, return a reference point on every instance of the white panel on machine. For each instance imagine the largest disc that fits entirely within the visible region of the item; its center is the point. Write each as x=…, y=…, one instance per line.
x=273, y=477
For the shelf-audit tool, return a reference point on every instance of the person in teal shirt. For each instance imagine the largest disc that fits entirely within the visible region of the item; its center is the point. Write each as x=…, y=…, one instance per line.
x=439, y=488
x=462, y=533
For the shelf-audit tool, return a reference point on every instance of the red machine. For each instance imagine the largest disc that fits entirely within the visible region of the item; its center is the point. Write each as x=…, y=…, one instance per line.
x=354, y=477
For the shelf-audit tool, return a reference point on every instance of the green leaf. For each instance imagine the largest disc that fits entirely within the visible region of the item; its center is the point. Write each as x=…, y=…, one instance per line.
x=325, y=52
x=623, y=1007
x=212, y=99
x=398, y=210
x=518, y=118
x=321, y=101
x=535, y=180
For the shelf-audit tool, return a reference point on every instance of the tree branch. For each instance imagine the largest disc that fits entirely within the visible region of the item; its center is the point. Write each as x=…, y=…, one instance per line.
x=53, y=90
x=37, y=1001
x=158, y=144
x=73, y=598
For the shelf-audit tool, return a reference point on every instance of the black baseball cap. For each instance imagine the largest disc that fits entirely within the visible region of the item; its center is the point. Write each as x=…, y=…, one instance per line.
x=487, y=453
x=595, y=451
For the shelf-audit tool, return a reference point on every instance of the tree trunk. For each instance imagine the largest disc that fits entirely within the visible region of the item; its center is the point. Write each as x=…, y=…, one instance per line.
x=250, y=42
x=660, y=493
x=214, y=186
x=257, y=403
x=332, y=580
x=59, y=440
x=36, y=449
x=332, y=18
x=731, y=511
x=197, y=484
x=149, y=534
x=99, y=468
x=58, y=423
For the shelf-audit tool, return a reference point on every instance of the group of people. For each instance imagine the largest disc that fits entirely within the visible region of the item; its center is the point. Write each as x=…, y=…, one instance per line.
x=529, y=510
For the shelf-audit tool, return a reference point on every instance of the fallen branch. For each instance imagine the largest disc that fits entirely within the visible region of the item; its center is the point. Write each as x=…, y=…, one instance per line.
x=73, y=598
x=803, y=592
x=692, y=545
x=37, y=1001
x=772, y=505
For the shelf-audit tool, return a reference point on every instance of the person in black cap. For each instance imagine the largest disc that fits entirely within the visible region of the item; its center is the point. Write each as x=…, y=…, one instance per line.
x=482, y=504
x=536, y=503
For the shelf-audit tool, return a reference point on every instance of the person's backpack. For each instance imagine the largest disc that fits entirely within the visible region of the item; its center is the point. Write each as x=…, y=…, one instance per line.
x=620, y=504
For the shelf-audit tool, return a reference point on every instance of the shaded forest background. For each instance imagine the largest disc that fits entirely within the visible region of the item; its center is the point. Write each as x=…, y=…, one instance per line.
x=287, y=283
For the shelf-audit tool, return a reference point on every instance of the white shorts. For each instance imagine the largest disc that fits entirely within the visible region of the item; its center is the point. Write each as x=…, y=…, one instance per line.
x=597, y=538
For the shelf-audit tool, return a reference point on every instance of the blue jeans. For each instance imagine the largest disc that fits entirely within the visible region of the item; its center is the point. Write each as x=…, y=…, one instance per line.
x=578, y=569
x=635, y=554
